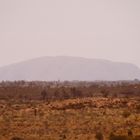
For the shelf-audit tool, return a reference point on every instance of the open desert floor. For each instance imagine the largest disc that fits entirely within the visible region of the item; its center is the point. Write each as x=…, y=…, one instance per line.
x=88, y=118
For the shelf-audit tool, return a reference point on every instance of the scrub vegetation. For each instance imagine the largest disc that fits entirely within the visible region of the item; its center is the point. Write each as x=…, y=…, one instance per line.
x=70, y=110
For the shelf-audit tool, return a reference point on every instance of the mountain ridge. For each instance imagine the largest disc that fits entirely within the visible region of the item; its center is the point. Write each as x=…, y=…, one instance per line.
x=69, y=68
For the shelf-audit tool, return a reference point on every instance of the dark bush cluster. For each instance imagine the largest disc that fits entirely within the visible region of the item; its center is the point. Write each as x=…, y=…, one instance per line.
x=23, y=90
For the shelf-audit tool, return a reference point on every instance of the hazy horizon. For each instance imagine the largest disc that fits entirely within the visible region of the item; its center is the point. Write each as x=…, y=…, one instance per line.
x=107, y=30
x=69, y=68
x=35, y=58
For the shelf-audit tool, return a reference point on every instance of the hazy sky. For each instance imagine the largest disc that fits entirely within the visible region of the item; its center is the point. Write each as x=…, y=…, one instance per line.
x=108, y=29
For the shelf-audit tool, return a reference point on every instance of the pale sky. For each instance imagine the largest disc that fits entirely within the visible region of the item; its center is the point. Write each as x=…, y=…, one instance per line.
x=108, y=29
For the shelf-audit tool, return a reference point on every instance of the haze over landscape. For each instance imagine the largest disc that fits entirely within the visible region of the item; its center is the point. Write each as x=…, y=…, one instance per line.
x=69, y=68
x=90, y=29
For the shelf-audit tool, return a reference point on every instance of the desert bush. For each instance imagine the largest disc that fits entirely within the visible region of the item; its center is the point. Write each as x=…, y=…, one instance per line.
x=138, y=108
x=99, y=136
x=62, y=137
x=16, y=138
x=118, y=137
x=130, y=133
x=44, y=94
x=122, y=137
x=126, y=114
x=105, y=93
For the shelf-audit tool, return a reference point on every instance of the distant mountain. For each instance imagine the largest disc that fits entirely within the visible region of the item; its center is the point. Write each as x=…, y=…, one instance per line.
x=69, y=68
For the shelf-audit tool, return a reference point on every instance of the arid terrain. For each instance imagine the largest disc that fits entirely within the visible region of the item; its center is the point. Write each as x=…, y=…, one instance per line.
x=101, y=116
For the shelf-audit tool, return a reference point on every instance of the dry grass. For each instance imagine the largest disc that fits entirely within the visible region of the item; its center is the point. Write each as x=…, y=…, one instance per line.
x=73, y=119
